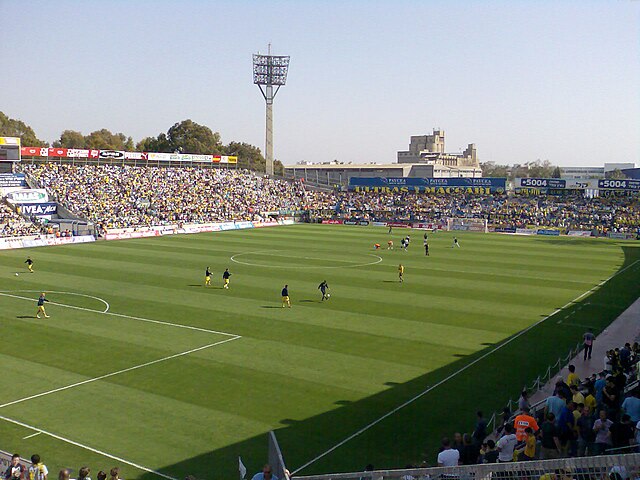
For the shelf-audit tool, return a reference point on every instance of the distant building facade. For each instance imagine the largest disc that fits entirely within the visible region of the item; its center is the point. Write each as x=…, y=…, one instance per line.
x=583, y=173
x=425, y=158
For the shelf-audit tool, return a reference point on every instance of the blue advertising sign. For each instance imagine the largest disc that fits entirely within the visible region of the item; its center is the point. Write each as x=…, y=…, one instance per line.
x=553, y=233
x=481, y=185
x=619, y=184
x=37, y=209
x=541, y=182
x=12, y=180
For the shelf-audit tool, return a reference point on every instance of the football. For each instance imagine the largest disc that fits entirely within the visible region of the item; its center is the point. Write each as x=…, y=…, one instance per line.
x=16, y=274
x=328, y=295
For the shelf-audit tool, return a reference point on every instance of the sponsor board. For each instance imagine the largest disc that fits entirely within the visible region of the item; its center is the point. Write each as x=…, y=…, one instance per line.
x=37, y=195
x=621, y=236
x=397, y=225
x=541, y=182
x=362, y=223
x=111, y=154
x=77, y=153
x=445, y=185
x=11, y=180
x=619, y=184
x=460, y=227
x=548, y=232
x=265, y=224
x=37, y=209
x=332, y=222
x=136, y=155
x=44, y=241
x=525, y=231
x=34, y=151
x=241, y=225
x=504, y=229
x=579, y=233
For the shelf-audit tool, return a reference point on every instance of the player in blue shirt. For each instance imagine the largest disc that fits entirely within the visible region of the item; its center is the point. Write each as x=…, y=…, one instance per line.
x=285, y=297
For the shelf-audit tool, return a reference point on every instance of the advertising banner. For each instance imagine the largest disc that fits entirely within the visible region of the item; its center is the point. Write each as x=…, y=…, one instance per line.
x=551, y=233
x=621, y=236
x=397, y=225
x=111, y=154
x=34, y=151
x=241, y=225
x=332, y=222
x=58, y=152
x=445, y=185
x=579, y=233
x=28, y=196
x=8, y=180
x=164, y=157
x=619, y=184
x=362, y=223
x=37, y=209
x=505, y=230
x=525, y=231
x=540, y=182
x=136, y=155
x=43, y=241
x=77, y=153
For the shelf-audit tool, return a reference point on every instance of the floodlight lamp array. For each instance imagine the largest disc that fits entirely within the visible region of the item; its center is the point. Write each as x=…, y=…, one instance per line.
x=270, y=69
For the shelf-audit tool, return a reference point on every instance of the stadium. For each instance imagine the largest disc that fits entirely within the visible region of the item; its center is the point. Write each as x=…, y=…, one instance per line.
x=184, y=309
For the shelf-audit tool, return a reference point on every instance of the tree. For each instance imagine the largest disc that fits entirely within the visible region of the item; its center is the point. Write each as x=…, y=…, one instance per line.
x=556, y=173
x=10, y=127
x=490, y=169
x=70, y=139
x=615, y=174
x=249, y=156
x=190, y=137
x=105, y=140
x=540, y=169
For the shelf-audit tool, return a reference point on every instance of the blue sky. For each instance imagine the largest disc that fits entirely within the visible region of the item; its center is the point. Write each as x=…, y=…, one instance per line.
x=554, y=80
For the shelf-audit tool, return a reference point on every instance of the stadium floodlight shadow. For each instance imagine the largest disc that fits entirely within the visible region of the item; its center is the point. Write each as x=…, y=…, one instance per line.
x=450, y=407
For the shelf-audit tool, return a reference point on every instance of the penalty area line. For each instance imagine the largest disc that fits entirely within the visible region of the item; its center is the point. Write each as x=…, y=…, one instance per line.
x=457, y=372
x=86, y=447
x=122, y=315
x=118, y=372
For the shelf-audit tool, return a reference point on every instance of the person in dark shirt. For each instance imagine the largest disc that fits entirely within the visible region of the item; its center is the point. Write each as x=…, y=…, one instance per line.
x=622, y=433
x=323, y=287
x=29, y=263
x=490, y=454
x=207, y=276
x=586, y=436
x=285, y=297
x=225, y=278
x=41, y=302
x=469, y=451
x=550, y=438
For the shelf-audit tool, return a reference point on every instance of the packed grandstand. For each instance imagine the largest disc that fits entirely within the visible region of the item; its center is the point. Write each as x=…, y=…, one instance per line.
x=120, y=196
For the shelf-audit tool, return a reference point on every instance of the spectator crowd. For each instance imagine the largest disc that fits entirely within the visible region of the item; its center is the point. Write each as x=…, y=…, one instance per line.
x=118, y=196
x=13, y=225
x=582, y=417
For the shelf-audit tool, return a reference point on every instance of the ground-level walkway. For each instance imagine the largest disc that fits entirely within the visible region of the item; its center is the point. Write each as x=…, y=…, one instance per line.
x=625, y=328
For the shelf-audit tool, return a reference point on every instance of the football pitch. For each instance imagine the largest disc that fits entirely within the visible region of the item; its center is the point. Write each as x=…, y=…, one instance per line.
x=143, y=367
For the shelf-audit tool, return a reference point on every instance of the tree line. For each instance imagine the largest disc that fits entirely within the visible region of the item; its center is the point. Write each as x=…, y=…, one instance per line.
x=186, y=136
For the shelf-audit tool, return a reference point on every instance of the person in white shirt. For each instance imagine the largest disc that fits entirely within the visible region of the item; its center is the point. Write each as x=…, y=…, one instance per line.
x=448, y=457
x=506, y=444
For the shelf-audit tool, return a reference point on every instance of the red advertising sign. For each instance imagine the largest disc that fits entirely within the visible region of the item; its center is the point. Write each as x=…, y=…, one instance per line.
x=94, y=153
x=58, y=152
x=34, y=151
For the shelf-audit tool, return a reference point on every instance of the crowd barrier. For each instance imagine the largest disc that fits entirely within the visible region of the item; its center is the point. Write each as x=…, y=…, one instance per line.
x=161, y=230
x=42, y=241
x=577, y=468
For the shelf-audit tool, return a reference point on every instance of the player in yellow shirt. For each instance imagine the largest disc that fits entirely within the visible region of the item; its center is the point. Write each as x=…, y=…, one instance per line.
x=29, y=263
x=41, y=301
x=285, y=297
x=207, y=277
x=401, y=273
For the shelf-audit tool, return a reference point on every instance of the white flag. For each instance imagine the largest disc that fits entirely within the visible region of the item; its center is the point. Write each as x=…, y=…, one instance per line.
x=242, y=468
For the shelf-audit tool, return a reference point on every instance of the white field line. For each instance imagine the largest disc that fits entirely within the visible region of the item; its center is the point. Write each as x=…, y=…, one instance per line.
x=121, y=315
x=456, y=373
x=32, y=435
x=86, y=447
x=118, y=372
x=107, y=306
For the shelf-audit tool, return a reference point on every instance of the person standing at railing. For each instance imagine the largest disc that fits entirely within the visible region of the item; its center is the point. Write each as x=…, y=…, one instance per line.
x=506, y=445
x=622, y=434
x=550, y=447
x=631, y=405
x=602, y=427
x=586, y=435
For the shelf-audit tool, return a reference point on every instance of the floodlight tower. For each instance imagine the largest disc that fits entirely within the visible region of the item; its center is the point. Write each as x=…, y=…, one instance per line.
x=269, y=71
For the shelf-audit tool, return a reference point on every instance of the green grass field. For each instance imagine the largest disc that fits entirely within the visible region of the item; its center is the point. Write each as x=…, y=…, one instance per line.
x=184, y=401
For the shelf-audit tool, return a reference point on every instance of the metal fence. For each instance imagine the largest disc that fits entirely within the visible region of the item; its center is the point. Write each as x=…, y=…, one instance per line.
x=606, y=467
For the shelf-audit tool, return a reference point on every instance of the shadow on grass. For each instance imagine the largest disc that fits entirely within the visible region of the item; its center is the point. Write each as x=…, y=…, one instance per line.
x=25, y=316
x=483, y=381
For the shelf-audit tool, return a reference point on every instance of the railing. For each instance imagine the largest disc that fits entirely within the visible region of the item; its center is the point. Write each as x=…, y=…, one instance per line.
x=582, y=468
